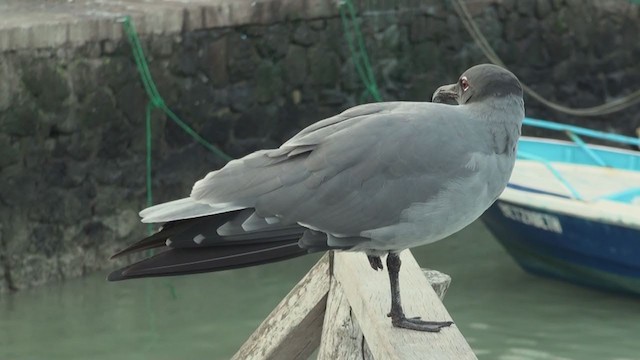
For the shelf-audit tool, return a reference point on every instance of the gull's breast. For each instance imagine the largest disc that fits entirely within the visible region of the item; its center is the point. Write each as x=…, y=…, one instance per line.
x=460, y=203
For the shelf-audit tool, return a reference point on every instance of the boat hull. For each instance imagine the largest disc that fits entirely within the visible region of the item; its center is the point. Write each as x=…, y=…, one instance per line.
x=582, y=251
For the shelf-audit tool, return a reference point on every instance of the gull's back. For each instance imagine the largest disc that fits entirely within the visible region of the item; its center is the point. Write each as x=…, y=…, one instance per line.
x=379, y=171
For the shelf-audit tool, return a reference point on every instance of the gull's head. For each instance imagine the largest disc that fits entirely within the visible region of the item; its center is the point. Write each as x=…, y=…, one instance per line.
x=479, y=83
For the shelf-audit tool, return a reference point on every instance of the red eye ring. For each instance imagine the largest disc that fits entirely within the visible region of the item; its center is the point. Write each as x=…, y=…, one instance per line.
x=464, y=83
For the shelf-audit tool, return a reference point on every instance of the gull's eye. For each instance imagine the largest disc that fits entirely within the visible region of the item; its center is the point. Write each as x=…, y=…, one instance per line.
x=464, y=83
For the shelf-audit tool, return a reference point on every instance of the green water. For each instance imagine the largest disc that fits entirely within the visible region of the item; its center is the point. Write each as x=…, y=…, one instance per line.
x=504, y=313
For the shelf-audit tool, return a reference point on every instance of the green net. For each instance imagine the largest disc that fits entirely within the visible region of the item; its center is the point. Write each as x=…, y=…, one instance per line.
x=157, y=102
x=359, y=55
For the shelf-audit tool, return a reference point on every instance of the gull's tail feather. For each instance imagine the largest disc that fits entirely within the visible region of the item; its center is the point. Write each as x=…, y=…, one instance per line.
x=186, y=208
x=181, y=231
x=216, y=242
x=198, y=260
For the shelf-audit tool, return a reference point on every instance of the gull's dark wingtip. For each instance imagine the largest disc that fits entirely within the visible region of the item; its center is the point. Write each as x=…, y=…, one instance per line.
x=117, y=255
x=136, y=248
x=116, y=275
x=121, y=274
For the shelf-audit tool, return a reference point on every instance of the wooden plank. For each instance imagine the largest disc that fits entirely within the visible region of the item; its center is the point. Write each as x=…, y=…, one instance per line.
x=342, y=337
x=439, y=281
x=367, y=292
x=294, y=328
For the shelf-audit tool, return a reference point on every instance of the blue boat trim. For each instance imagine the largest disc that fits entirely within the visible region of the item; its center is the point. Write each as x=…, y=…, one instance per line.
x=552, y=150
x=581, y=131
x=576, y=139
x=535, y=191
x=625, y=196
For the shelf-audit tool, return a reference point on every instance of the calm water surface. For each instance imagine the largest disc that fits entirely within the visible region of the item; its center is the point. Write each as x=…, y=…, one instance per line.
x=503, y=312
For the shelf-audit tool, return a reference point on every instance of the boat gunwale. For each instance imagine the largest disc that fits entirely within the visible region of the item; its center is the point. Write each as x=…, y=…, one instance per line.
x=624, y=151
x=602, y=211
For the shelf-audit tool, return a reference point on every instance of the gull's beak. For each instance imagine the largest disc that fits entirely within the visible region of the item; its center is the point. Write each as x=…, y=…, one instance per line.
x=446, y=94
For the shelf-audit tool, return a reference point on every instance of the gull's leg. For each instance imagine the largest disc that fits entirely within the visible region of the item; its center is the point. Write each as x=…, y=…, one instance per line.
x=398, y=319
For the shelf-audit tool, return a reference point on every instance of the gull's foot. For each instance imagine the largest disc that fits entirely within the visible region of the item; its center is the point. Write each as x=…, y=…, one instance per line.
x=375, y=262
x=416, y=323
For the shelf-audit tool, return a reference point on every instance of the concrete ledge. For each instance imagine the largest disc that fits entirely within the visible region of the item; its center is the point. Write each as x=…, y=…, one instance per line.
x=29, y=24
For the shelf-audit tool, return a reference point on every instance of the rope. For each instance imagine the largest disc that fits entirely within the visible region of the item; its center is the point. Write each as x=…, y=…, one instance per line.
x=481, y=41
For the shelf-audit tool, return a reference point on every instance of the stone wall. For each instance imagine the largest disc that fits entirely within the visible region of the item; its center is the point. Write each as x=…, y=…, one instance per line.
x=72, y=132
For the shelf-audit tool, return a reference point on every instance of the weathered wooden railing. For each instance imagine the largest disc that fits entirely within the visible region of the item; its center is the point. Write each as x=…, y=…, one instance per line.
x=340, y=308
